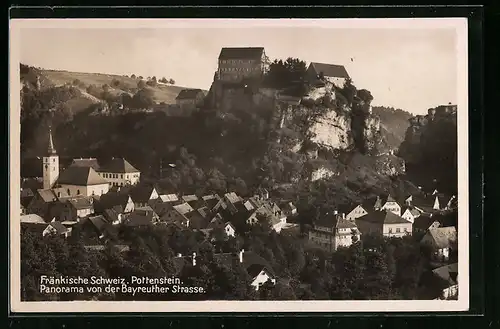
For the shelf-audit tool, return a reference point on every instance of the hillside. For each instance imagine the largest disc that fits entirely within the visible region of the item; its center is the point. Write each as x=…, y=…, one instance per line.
x=393, y=124
x=161, y=92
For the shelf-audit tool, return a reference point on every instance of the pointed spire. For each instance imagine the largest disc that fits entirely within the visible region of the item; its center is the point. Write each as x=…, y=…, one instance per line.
x=52, y=150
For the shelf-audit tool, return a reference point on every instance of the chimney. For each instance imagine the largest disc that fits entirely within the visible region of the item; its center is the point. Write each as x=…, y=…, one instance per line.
x=241, y=255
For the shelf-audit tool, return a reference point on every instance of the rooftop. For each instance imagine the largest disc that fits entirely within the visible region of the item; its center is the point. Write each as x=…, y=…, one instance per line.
x=383, y=217
x=118, y=165
x=80, y=176
x=241, y=53
x=189, y=94
x=330, y=70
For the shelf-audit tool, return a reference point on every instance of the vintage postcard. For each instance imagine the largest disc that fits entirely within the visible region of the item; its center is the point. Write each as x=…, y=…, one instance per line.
x=242, y=165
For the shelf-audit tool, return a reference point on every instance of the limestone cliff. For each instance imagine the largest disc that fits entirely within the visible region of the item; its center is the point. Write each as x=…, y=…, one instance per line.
x=430, y=147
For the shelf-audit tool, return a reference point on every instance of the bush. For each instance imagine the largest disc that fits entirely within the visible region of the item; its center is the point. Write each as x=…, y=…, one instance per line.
x=133, y=76
x=141, y=84
x=115, y=83
x=171, y=81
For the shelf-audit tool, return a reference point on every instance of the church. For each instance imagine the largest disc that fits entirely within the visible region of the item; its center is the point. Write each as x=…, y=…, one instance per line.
x=85, y=178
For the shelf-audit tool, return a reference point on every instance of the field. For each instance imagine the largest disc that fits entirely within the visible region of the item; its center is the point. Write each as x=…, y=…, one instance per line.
x=162, y=92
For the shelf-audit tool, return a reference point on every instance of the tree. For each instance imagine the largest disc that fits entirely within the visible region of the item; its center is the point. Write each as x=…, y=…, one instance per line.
x=133, y=76
x=105, y=88
x=171, y=81
x=115, y=82
x=163, y=80
x=141, y=84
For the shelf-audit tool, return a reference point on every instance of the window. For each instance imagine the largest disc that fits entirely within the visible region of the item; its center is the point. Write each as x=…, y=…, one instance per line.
x=122, y=176
x=93, y=193
x=53, y=168
x=406, y=230
x=58, y=194
x=398, y=230
x=77, y=192
x=390, y=230
x=69, y=192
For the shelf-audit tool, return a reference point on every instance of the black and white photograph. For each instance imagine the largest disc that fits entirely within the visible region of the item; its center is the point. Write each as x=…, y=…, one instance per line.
x=258, y=164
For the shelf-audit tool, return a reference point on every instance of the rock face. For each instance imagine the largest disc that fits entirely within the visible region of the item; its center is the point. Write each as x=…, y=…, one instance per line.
x=333, y=131
x=430, y=148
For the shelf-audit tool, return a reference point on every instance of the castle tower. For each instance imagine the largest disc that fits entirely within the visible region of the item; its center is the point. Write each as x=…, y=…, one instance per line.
x=50, y=165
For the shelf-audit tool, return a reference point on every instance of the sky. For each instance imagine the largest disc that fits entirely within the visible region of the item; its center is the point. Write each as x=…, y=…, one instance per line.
x=409, y=67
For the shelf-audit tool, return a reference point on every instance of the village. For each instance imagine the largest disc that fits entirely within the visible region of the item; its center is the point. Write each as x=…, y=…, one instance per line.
x=96, y=198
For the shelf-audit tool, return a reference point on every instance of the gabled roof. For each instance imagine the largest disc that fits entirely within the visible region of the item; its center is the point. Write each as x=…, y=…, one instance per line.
x=216, y=222
x=32, y=219
x=169, y=197
x=330, y=70
x=118, y=165
x=111, y=215
x=189, y=198
x=232, y=197
x=138, y=218
x=383, y=217
x=87, y=162
x=196, y=220
x=443, y=236
x=254, y=263
x=100, y=223
x=47, y=195
x=141, y=193
x=82, y=203
x=80, y=176
x=113, y=200
x=342, y=223
x=241, y=53
x=183, y=208
x=26, y=192
x=60, y=228
x=189, y=94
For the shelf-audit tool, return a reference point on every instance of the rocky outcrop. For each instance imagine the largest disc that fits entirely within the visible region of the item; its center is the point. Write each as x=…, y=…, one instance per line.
x=430, y=148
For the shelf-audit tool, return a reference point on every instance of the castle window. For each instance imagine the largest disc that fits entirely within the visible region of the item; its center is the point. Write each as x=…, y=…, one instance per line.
x=398, y=230
x=69, y=192
x=77, y=192
x=121, y=175
x=54, y=160
x=58, y=194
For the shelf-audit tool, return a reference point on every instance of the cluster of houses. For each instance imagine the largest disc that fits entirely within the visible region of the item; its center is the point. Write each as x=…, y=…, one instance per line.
x=99, y=199
x=384, y=216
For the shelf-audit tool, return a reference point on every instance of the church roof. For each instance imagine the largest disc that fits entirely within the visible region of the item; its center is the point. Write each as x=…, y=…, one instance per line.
x=330, y=70
x=80, y=176
x=118, y=165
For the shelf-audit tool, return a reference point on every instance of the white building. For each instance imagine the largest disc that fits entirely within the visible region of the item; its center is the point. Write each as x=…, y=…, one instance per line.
x=50, y=165
x=119, y=172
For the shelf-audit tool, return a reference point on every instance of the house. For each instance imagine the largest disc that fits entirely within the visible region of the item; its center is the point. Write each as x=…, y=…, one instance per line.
x=387, y=202
x=73, y=209
x=147, y=211
x=262, y=193
x=257, y=268
x=336, y=74
x=81, y=181
x=141, y=195
x=178, y=214
x=232, y=200
x=195, y=220
x=190, y=98
x=121, y=203
x=26, y=196
x=113, y=217
x=441, y=283
x=104, y=229
x=164, y=203
x=33, y=222
x=356, y=212
x=229, y=230
x=42, y=203
x=119, y=172
x=56, y=228
x=236, y=64
x=330, y=233
x=270, y=212
x=384, y=223
x=139, y=218
x=410, y=213
x=441, y=240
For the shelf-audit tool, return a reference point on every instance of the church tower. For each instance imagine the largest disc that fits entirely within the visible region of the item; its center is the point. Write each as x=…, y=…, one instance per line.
x=50, y=165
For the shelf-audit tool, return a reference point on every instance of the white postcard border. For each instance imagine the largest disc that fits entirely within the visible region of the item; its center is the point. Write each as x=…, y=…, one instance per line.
x=462, y=304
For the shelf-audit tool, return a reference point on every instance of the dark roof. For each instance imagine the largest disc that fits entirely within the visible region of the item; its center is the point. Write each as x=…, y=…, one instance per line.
x=113, y=200
x=111, y=215
x=141, y=193
x=196, y=220
x=88, y=162
x=99, y=222
x=189, y=93
x=60, y=228
x=139, y=219
x=81, y=203
x=330, y=70
x=81, y=176
x=118, y=165
x=241, y=53
x=47, y=195
x=383, y=217
x=254, y=262
x=342, y=223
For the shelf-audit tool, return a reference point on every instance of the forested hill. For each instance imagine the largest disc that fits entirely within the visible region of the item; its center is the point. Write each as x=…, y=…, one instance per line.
x=393, y=124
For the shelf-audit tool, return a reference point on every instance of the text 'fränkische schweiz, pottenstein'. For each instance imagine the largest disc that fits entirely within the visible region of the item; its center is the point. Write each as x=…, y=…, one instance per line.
x=132, y=286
